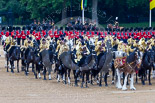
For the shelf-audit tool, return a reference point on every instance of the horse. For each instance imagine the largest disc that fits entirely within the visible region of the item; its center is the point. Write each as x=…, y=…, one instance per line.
x=37, y=60
x=147, y=64
x=67, y=63
x=47, y=63
x=106, y=62
x=29, y=58
x=87, y=66
x=132, y=62
x=13, y=55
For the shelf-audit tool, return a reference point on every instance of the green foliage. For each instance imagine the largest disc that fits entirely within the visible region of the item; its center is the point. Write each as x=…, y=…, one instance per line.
x=39, y=9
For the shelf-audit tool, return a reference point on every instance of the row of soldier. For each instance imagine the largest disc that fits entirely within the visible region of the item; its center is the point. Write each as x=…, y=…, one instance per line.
x=81, y=40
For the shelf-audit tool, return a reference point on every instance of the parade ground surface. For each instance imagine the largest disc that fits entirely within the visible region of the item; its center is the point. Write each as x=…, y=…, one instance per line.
x=18, y=88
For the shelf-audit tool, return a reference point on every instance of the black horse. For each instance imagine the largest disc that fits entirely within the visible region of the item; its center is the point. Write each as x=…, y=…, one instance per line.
x=47, y=60
x=37, y=60
x=147, y=64
x=66, y=64
x=88, y=65
x=104, y=62
x=13, y=55
x=29, y=58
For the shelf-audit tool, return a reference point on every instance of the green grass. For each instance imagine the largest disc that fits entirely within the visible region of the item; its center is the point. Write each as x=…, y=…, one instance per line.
x=143, y=24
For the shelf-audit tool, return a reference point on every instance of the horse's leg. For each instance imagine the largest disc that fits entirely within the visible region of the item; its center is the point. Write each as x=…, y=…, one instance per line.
x=91, y=82
x=75, y=77
x=105, y=79
x=118, y=84
x=143, y=77
x=32, y=67
x=12, y=62
x=113, y=74
x=100, y=84
x=82, y=73
x=136, y=77
x=128, y=79
x=64, y=75
x=49, y=72
x=125, y=82
x=17, y=66
x=87, y=79
x=44, y=73
x=7, y=65
x=39, y=75
x=149, y=76
x=97, y=78
x=131, y=82
x=35, y=71
x=26, y=70
x=69, y=81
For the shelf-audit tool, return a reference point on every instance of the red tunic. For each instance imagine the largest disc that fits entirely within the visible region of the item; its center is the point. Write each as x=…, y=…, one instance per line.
x=38, y=36
x=118, y=36
x=130, y=34
x=149, y=35
x=145, y=35
x=23, y=35
x=33, y=32
x=56, y=34
x=50, y=34
x=135, y=36
x=28, y=32
x=18, y=34
x=7, y=34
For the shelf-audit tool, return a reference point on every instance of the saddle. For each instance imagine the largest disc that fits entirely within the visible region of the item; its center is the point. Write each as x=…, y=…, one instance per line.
x=120, y=62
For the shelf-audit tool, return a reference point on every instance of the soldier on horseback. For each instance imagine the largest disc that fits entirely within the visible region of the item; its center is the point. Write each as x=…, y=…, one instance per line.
x=82, y=52
x=62, y=47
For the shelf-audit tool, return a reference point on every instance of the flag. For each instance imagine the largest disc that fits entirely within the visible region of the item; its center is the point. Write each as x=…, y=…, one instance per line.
x=83, y=4
x=152, y=4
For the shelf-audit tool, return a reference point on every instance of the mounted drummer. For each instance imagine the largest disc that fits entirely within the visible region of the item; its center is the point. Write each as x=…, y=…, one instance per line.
x=81, y=52
x=100, y=49
x=62, y=47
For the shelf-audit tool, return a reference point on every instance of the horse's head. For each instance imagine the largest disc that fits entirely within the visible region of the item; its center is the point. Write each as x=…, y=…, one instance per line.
x=17, y=52
x=31, y=52
x=138, y=58
x=151, y=56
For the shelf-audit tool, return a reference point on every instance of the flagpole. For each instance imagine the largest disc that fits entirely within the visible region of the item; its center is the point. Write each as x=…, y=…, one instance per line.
x=150, y=19
x=83, y=16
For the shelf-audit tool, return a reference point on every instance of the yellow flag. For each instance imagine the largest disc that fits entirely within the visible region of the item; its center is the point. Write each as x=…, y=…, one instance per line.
x=152, y=4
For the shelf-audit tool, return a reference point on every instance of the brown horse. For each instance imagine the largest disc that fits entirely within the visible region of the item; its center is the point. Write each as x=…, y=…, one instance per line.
x=132, y=62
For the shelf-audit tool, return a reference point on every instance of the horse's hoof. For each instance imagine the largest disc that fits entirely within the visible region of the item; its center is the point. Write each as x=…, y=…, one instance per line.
x=65, y=82
x=132, y=88
x=87, y=87
x=150, y=83
x=143, y=83
x=44, y=78
x=124, y=88
x=100, y=85
x=50, y=79
x=119, y=87
x=76, y=85
x=58, y=81
x=26, y=74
